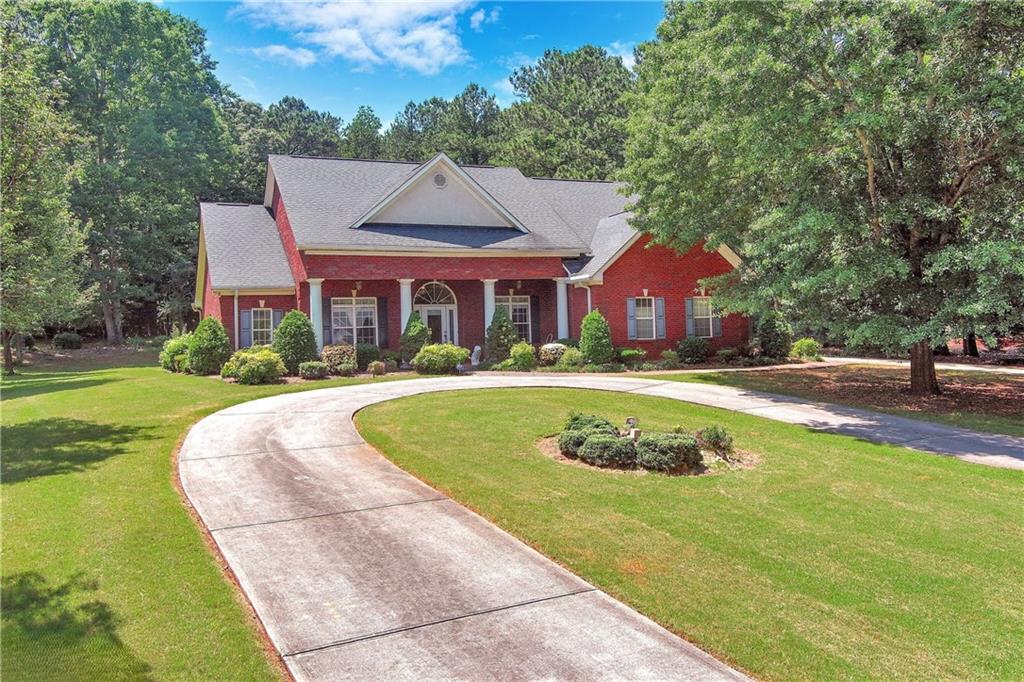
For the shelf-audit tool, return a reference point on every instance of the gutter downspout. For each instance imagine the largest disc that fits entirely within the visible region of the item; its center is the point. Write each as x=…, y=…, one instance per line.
x=236, y=318
x=590, y=307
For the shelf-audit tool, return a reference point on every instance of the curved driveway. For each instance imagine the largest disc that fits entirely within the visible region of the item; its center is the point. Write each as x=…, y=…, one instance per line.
x=360, y=571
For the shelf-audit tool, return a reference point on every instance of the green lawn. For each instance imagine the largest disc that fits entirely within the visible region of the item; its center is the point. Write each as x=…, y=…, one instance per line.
x=105, y=576
x=971, y=400
x=834, y=558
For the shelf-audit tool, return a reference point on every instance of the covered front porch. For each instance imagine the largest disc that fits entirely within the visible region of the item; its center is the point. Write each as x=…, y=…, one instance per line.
x=458, y=311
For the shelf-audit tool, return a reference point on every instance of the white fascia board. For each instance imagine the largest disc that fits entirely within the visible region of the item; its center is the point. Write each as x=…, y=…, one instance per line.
x=472, y=185
x=320, y=250
x=268, y=189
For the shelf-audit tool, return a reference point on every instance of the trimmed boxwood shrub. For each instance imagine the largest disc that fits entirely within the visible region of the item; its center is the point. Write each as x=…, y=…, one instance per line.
x=607, y=368
x=727, y=355
x=632, y=357
x=67, y=341
x=365, y=354
x=173, y=348
x=578, y=420
x=377, y=368
x=596, y=339
x=571, y=358
x=256, y=365
x=774, y=335
x=668, y=452
x=209, y=347
x=520, y=358
x=692, y=350
x=501, y=337
x=805, y=349
x=314, y=369
x=295, y=341
x=340, y=359
x=604, y=451
x=571, y=440
x=414, y=337
x=440, y=358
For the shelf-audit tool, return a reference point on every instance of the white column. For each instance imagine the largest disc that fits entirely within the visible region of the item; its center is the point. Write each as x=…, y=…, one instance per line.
x=562, y=299
x=405, y=297
x=316, y=311
x=488, y=302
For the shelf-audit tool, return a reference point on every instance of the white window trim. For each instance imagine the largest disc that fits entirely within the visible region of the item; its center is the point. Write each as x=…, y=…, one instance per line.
x=652, y=318
x=710, y=317
x=350, y=303
x=252, y=325
x=507, y=302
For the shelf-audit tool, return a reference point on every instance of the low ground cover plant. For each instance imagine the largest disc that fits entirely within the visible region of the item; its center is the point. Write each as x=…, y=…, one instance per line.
x=440, y=358
x=632, y=357
x=254, y=365
x=208, y=347
x=314, y=369
x=174, y=355
x=340, y=359
x=67, y=341
x=295, y=341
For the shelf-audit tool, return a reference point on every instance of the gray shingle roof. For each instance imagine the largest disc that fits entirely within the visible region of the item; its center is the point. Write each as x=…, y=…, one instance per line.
x=582, y=203
x=609, y=236
x=325, y=197
x=243, y=247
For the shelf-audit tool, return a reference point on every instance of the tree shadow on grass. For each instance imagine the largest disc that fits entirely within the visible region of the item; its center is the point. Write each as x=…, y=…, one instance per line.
x=46, y=447
x=37, y=384
x=57, y=632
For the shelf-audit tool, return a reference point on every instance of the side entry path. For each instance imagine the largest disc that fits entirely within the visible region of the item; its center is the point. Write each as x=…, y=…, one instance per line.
x=360, y=571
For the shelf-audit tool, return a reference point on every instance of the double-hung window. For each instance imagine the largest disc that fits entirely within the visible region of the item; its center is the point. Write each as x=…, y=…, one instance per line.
x=354, y=320
x=645, y=327
x=262, y=326
x=518, y=309
x=703, y=316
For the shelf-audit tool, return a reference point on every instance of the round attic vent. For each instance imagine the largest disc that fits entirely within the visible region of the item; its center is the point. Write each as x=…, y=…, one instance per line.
x=440, y=181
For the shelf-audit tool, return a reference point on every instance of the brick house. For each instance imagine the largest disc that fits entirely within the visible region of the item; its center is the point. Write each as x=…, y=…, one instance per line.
x=359, y=245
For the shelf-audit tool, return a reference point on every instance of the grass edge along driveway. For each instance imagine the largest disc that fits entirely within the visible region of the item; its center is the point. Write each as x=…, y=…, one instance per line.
x=105, y=574
x=833, y=558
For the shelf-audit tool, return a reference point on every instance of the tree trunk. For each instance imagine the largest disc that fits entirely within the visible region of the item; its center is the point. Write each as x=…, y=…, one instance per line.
x=971, y=345
x=8, y=356
x=19, y=349
x=922, y=370
x=112, y=322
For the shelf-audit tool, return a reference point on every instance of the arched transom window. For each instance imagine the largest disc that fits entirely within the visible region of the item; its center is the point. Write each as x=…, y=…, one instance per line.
x=434, y=293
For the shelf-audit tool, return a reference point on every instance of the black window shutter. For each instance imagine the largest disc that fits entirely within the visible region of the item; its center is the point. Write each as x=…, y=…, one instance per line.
x=382, y=322
x=325, y=314
x=535, y=319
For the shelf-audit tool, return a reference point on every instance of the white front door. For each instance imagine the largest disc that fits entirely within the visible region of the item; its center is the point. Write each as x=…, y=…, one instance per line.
x=442, y=321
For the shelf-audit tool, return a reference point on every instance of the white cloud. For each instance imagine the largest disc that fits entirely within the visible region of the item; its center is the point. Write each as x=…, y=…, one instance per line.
x=531, y=36
x=482, y=16
x=421, y=36
x=297, y=56
x=624, y=50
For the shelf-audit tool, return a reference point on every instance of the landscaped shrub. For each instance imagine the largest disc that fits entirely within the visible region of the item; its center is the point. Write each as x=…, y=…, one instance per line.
x=716, y=439
x=520, y=358
x=726, y=355
x=439, y=358
x=377, y=368
x=571, y=440
x=571, y=358
x=607, y=368
x=501, y=336
x=596, y=339
x=314, y=369
x=668, y=452
x=669, y=359
x=774, y=335
x=578, y=421
x=569, y=341
x=631, y=357
x=67, y=341
x=692, y=350
x=805, y=349
x=390, y=366
x=340, y=359
x=365, y=354
x=605, y=451
x=391, y=356
x=414, y=337
x=295, y=341
x=550, y=354
x=173, y=348
x=256, y=365
x=209, y=347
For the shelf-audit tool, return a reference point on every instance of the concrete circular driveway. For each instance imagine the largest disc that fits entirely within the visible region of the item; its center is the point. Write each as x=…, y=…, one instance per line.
x=360, y=571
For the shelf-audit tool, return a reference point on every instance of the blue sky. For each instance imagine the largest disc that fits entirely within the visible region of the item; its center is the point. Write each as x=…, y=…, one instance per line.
x=337, y=56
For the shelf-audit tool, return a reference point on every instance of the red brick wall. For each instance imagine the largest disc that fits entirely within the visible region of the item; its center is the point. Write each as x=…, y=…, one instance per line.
x=284, y=227
x=227, y=308
x=434, y=267
x=667, y=273
x=544, y=289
